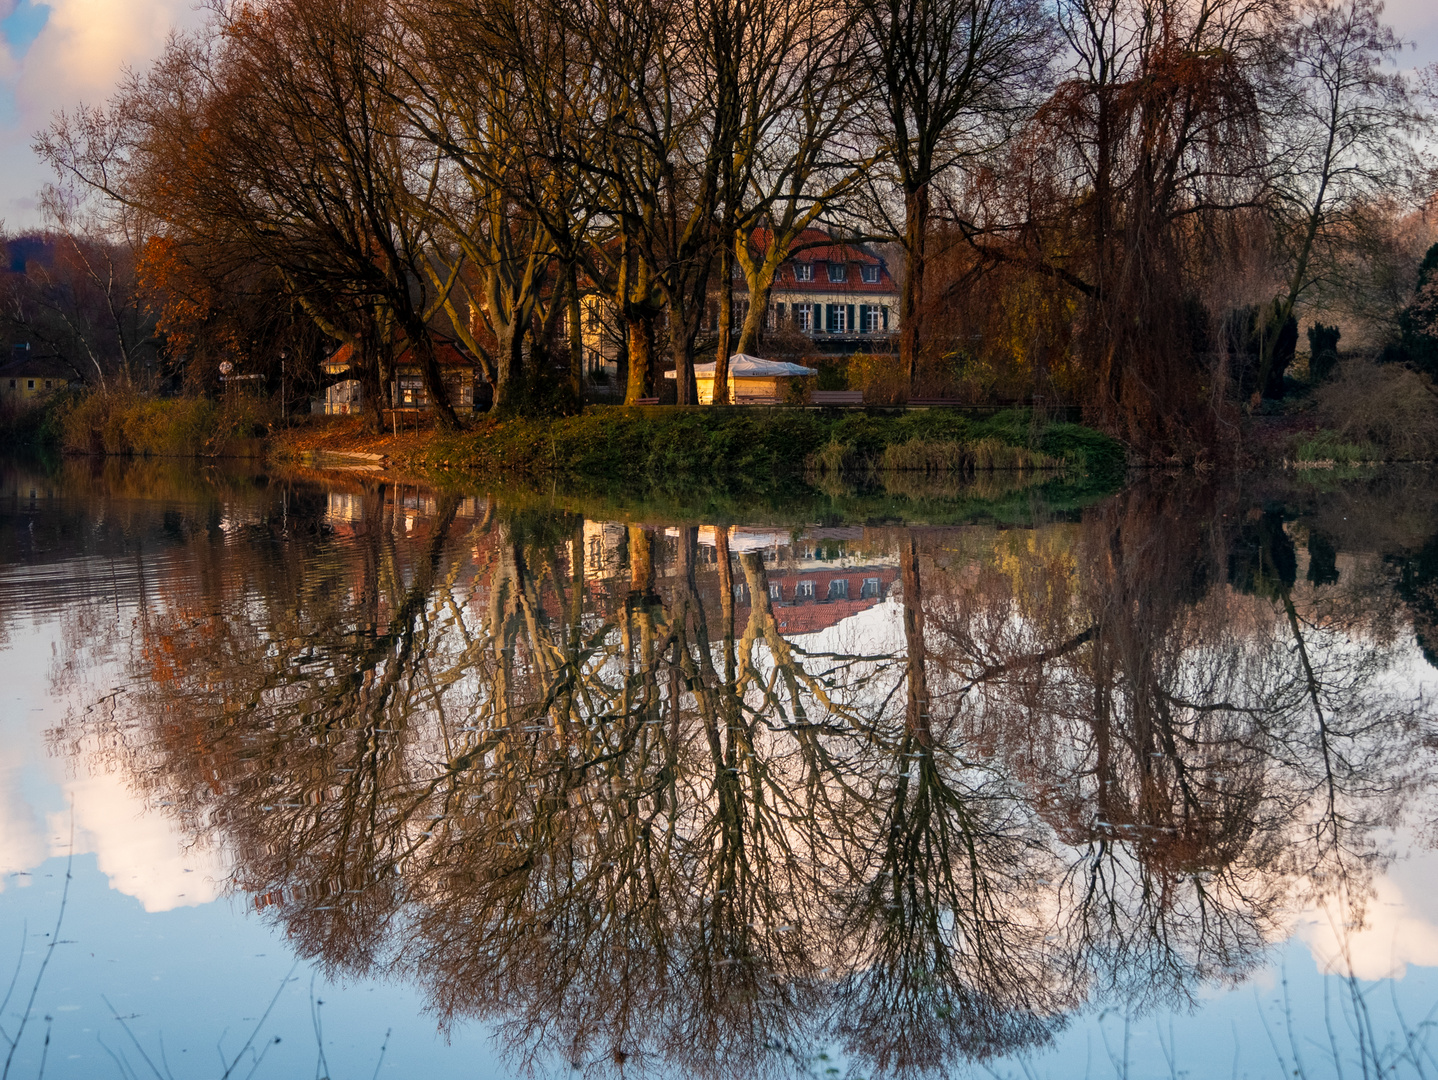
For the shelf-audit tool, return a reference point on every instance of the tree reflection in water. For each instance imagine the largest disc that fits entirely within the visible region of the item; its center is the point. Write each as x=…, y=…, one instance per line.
x=629, y=794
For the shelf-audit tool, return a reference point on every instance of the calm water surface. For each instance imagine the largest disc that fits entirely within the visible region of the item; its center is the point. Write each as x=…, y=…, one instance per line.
x=343, y=778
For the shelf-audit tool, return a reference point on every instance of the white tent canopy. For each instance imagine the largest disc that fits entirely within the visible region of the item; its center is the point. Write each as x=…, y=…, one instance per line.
x=742, y=366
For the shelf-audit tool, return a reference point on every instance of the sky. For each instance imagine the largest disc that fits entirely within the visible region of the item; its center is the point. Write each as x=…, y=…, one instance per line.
x=59, y=54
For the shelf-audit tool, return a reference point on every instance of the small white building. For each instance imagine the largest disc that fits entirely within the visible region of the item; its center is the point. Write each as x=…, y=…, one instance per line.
x=752, y=380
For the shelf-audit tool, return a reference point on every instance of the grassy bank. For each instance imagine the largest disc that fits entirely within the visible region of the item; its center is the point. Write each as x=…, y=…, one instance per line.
x=660, y=448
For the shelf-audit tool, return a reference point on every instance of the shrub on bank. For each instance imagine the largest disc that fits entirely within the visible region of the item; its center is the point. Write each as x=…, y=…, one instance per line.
x=127, y=423
x=1390, y=409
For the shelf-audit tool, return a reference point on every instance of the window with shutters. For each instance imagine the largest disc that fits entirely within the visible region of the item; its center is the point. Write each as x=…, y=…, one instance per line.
x=803, y=271
x=838, y=272
x=837, y=320
x=873, y=319
x=870, y=274
x=804, y=317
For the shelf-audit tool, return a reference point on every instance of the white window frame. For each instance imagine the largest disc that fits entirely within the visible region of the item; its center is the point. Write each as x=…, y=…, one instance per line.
x=869, y=273
x=803, y=271
x=804, y=317
x=841, y=269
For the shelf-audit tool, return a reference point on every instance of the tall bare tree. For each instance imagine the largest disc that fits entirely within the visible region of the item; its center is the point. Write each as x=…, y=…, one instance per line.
x=948, y=80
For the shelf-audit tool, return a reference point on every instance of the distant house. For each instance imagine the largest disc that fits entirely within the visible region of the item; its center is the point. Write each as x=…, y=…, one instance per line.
x=841, y=296
x=406, y=389
x=28, y=377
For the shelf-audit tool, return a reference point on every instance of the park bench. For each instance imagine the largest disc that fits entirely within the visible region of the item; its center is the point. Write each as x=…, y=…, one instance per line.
x=755, y=399
x=836, y=397
x=646, y=401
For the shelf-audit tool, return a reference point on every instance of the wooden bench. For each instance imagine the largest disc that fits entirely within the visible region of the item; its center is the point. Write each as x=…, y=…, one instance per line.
x=646, y=401
x=755, y=399
x=836, y=397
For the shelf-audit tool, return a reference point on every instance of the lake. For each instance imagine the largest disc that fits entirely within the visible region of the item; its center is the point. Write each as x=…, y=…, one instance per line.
x=324, y=774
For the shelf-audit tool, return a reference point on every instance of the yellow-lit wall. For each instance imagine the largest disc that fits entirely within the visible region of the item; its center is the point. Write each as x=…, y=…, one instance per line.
x=21, y=388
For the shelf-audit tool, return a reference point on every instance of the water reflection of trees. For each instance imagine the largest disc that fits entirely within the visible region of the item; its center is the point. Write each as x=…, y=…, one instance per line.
x=627, y=819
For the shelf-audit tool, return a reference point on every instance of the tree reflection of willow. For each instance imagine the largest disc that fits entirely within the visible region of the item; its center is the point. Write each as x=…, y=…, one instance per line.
x=634, y=828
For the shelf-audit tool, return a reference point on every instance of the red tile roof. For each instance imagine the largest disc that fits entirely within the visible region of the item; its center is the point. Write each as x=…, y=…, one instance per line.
x=447, y=352
x=816, y=248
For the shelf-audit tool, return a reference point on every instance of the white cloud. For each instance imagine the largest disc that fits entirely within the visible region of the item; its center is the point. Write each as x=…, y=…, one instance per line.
x=79, y=56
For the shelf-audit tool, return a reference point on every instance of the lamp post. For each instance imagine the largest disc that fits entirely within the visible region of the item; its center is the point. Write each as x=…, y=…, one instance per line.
x=284, y=410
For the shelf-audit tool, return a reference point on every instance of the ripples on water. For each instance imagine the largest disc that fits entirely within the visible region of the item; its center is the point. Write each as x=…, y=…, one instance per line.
x=709, y=797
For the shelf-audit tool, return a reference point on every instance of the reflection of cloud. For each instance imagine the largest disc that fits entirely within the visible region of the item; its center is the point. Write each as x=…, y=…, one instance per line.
x=1400, y=926
x=142, y=853
x=21, y=843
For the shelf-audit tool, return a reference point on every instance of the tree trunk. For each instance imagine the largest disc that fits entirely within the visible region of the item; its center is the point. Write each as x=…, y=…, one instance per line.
x=641, y=357
x=576, y=334
x=916, y=222
x=421, y=346
x=509, y=367
x=682, y=330
x=726, y=320
x=365, y=367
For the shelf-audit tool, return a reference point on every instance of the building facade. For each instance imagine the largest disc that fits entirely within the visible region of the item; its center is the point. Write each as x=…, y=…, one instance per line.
x=406, y=389
x=29, y=379
x=842, y=297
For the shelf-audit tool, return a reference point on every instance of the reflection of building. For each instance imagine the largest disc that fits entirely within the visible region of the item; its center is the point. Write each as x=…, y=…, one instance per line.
x=408, y=506
x=815, y=578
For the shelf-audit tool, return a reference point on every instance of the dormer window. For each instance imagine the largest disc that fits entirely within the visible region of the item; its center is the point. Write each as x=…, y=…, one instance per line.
x=838, y=272
x=803, y=271
x=870, y=273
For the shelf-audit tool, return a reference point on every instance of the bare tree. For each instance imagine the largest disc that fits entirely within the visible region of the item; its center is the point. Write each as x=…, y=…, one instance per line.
x=1346, y=122
x=948, y=80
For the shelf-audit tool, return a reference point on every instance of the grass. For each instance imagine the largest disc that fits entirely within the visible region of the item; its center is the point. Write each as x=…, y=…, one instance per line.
x=120, y=423
x=742, y=448
x=1331, y=448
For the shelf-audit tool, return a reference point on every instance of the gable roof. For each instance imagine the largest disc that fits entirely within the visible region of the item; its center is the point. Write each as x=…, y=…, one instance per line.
x=27, y=366
x=447, y=352
x=815, y=245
